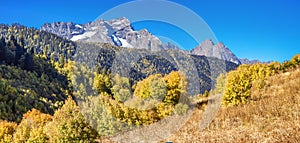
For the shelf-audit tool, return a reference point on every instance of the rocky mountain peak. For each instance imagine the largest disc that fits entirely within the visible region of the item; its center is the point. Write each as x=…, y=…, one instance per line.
x=64, y=29
x=119, y=32
x=119, y=24
x=219, y=50
x=98, y=22
x=221, y=44
x=208, y=42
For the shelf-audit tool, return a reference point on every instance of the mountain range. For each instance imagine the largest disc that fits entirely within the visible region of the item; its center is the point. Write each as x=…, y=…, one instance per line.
x=251, y=62
x=119, y=32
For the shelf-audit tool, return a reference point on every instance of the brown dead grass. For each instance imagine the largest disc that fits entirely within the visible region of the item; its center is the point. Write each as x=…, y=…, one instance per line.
x=274, y=116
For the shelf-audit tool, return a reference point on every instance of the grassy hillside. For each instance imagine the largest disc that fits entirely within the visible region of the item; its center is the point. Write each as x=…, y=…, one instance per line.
x=273, y=116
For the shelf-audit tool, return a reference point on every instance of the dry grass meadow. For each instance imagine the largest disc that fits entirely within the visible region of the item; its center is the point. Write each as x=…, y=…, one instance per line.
x=272, y=116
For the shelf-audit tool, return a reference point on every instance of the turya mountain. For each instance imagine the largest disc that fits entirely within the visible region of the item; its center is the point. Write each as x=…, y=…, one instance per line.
x=119, y=32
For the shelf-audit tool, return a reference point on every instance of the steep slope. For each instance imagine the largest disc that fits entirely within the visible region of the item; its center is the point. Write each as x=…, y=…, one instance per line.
x=40, y=42
x=272, y=117
x=219, y=50
x=27, y=80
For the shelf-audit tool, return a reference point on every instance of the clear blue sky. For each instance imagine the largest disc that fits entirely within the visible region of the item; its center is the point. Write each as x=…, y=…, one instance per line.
x=254, y=29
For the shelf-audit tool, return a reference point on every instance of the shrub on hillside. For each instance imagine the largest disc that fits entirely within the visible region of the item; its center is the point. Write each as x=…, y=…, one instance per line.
x=245, y=78
x=239, y=82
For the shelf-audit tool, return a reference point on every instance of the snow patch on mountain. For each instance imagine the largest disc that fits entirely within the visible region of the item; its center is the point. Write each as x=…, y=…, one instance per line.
x=78, y=26
x=125, y=43
x=83, y=36
x=75, y=32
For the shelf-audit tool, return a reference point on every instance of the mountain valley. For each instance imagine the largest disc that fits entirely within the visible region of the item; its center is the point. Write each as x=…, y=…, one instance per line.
x=103, y=81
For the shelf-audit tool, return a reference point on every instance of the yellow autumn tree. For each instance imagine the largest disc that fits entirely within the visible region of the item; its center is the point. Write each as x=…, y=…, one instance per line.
x=177, y=84
x=152, y=87
x=102, y=82
x=154, y=99
x=246, y=77
x=296, y=60
x=31, y=128
x=7, y=130
x=69, y=125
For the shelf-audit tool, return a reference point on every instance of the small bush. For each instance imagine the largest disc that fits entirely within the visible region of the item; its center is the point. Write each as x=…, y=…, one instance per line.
x=181, y=109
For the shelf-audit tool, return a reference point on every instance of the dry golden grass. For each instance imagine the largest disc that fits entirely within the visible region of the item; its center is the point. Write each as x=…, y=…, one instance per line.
x=274, y=116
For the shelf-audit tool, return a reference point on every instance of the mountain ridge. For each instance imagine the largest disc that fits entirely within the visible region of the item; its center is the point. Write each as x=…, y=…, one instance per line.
x=119, y=32
x=251, y=62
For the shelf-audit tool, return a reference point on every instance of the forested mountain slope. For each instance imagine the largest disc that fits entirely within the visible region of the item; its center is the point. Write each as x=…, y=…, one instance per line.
x=40, y=70
x=28, y=78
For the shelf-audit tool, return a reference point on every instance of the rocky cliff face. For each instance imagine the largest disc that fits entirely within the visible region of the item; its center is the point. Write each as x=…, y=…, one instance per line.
x=63, y=29
x=119, y=32
x=219, y=50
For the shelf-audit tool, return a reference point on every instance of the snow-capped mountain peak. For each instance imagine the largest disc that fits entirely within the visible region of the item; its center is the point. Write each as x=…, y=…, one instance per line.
x=119, y=32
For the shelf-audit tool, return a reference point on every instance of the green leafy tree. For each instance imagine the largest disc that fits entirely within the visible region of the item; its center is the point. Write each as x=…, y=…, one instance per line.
x=153, y=87
x=121, y=88
x=220, y=85
x=181, y=108
x=157, y=88
x=100, y=118
x=149, y=92
x=2, y=49
x=102, y=82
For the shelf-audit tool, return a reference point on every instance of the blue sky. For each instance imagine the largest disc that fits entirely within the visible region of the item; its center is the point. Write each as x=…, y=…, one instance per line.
x=254, y=29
